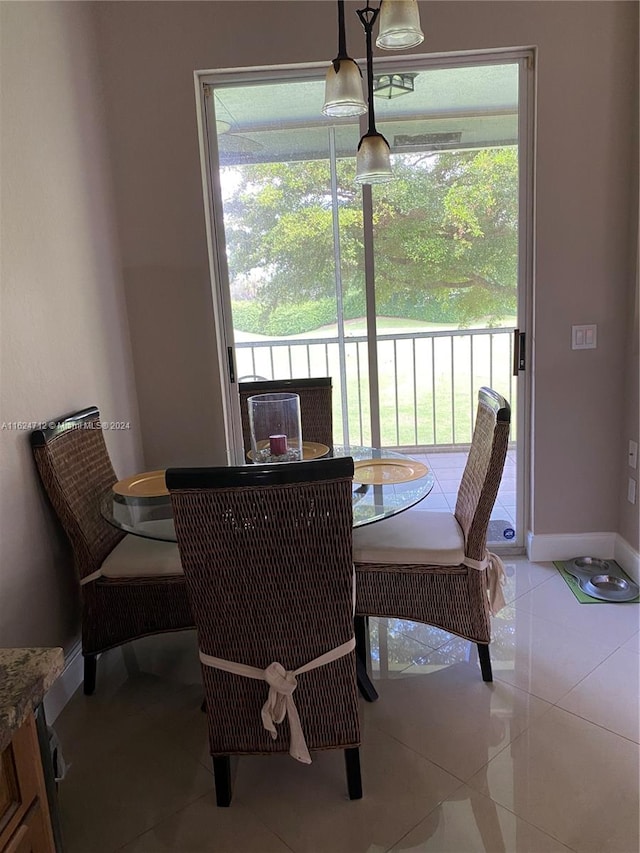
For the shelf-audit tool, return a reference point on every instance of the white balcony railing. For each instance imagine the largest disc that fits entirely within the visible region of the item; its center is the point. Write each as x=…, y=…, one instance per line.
x=428, y=381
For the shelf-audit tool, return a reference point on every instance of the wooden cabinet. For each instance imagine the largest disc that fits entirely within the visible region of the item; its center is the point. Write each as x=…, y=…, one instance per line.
x=25, y=824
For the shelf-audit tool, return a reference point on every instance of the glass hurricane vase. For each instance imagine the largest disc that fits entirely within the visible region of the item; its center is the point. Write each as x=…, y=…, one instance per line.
x=276, y=431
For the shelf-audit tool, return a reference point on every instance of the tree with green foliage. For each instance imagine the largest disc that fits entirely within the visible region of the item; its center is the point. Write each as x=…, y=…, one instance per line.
x=445, y=235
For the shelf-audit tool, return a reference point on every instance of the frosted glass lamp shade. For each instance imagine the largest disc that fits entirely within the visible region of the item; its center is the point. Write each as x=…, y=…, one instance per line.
x=343, y=90
x=373, y=160
x=399, y=25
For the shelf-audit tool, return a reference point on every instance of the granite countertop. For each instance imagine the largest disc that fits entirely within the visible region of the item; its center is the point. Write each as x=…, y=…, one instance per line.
x=25, y=676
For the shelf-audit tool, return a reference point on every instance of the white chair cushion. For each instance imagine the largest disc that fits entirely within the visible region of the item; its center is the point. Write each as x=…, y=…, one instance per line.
x=135, y=557
x=409, y=538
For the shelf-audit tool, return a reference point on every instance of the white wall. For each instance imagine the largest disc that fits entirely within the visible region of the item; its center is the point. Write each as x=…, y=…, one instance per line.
x=587, y=106
x=64, y=333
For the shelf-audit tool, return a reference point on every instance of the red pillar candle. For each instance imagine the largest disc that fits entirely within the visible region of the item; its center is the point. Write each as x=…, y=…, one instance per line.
x=278, y=445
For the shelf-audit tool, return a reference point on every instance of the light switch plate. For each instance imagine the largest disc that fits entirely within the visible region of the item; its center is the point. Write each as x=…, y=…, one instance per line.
x=584, y=337
x=633, y=454
x=631, y=490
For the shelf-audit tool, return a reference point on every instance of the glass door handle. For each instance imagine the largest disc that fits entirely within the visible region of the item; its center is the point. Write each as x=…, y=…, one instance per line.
x=232, y=367
x=519, y=350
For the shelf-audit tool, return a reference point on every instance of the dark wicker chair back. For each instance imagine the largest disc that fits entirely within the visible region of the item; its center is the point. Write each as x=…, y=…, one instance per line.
x=483, y=471
x=267, y=555
x=316, y=412
x=76, y=472
x=75, y=468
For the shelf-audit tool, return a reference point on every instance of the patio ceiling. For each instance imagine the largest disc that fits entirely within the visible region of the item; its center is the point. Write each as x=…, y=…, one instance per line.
x=450, y=108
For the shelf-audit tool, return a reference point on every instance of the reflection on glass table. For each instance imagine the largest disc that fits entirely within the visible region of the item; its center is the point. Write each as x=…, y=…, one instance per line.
x=385, y=483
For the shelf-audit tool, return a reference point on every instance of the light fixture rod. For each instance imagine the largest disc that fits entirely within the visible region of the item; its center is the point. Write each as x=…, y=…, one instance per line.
x=368, y=18
x=342, y=35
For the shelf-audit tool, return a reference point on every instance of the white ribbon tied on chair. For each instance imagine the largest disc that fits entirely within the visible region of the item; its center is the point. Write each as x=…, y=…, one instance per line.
x=279, y=705
x=496, y=577
x=282, y=684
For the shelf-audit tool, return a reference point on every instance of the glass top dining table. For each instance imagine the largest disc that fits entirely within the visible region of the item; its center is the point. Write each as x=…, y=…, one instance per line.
x=393, y=482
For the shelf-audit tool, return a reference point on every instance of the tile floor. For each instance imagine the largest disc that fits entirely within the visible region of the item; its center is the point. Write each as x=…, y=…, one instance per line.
x=544, y=759
x=447, y=469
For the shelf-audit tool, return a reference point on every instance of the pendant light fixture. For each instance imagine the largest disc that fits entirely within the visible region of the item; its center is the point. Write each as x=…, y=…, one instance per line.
x=399, y=25
x=399, y=28
x=343, y=84
x=373, y=159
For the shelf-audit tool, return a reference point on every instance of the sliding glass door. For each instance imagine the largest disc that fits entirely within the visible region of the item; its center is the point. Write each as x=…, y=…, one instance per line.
x=445, y=249
x=291, y=220
x=407, y=294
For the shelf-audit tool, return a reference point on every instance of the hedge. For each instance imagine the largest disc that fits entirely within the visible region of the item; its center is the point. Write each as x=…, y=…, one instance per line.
x=286, y=320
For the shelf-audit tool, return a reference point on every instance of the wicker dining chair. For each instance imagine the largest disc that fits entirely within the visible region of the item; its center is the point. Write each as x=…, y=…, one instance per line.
x=316, y=412
x=130, y=587
x=266, y=551
x=434, y=567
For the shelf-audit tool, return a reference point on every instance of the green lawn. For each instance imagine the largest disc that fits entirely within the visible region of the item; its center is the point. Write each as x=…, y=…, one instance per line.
x=386, y=325
x=435, y=397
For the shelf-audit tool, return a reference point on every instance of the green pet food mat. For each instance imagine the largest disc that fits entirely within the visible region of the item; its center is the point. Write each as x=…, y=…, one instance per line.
x=582, y=597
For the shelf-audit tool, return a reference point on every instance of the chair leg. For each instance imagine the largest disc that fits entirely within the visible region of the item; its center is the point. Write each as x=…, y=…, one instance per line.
x=222, y=776
x=360, y=628
x=365, y=685
x=485, y=661
x=354, y=780
x=90, y=666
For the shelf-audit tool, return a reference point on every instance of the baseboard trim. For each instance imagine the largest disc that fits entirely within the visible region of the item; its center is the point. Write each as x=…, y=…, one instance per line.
x=546, y=547
x=627, y=557
x=66, y=684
